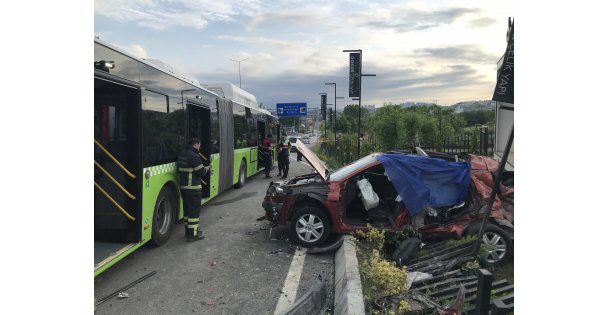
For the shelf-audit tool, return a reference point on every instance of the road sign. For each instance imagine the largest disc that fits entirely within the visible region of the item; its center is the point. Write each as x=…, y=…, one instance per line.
x=291, y=109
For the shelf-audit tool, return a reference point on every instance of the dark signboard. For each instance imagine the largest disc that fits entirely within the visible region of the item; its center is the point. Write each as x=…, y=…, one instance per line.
x=506, y=73
x=291, y=109
x=323, y=106
x=354, y=82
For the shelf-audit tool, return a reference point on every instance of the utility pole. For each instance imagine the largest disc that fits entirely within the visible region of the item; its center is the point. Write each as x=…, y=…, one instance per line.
x=324, y=105
x=360, y=52
x=239, y=61
x=335, y=113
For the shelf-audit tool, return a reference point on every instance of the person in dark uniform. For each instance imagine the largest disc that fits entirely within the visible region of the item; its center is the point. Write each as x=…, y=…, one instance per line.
x=191, y=171
x=279, y=151
x=265, y=154
x=284, y=154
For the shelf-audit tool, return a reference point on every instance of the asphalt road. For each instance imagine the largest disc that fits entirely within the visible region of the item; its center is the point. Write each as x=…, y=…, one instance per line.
x=236, y=269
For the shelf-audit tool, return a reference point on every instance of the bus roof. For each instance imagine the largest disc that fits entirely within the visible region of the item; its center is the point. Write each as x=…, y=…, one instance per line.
x=223, y=89
x=158, y=65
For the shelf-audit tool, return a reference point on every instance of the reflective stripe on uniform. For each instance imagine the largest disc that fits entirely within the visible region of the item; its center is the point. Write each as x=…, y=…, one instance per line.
x=184, y=169
x=193, y=220
x=193, y=226
x=192, y=187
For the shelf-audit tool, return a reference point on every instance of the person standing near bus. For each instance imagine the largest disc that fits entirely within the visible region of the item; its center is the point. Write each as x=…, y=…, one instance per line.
x=191, y=171
x=265, y=154
x=284, y=154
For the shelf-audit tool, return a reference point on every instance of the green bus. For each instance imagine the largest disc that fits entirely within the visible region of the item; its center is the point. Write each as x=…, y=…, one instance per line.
x=144, y=115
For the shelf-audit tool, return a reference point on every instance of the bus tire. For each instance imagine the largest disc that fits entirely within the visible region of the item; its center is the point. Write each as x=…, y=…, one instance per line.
x=242, y=175
x=163, y=217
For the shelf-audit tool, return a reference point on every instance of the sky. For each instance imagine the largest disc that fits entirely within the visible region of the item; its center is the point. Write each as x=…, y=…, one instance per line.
x=420, y=51
x=47, y=117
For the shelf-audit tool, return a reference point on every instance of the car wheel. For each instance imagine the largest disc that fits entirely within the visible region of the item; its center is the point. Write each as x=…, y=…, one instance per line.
x=497, y=242
x=242, y=175
x=310, y=226
x=163, y=217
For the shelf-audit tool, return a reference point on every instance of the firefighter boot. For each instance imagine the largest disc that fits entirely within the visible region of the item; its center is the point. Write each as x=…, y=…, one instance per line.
x=194, y=235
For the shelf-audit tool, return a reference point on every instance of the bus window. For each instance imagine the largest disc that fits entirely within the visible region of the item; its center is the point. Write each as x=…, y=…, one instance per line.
x=161, y=129
x=240, y=126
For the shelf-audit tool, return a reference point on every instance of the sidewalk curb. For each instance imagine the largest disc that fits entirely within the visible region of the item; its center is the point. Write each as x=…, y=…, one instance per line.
x=347, y=281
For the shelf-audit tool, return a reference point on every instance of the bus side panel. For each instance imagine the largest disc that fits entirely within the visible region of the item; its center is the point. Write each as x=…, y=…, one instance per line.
x=159, y=176
x=214, y=178
x=252, y=158
x=240, y=155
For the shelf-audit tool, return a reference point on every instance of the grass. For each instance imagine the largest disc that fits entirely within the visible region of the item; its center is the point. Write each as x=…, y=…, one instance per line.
x=505, y=271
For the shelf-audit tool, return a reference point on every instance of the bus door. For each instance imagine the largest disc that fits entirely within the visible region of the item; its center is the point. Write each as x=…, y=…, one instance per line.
x=261, y=137
x=199, y=126
x=117, y=196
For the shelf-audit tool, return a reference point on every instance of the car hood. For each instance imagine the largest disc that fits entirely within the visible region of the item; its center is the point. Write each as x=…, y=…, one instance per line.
x=313, y=159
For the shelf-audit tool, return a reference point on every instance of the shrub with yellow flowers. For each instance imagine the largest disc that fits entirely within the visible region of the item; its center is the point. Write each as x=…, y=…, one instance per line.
x=379, y=277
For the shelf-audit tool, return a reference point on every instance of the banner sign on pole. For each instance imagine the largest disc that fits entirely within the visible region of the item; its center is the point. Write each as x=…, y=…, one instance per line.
x=323, y=106
x=291, y=109
x=506, y=74
x=354, y=82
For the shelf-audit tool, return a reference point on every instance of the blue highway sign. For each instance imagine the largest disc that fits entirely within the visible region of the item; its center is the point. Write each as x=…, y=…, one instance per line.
x=291, y=109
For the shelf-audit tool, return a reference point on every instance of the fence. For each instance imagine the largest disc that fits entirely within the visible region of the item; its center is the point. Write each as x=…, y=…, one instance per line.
x=345, y=150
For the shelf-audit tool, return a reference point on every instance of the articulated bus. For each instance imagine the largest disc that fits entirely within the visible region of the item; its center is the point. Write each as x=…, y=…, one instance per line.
x=144, y=115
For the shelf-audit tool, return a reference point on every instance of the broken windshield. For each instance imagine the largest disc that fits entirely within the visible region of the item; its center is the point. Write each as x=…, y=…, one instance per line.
x=346, y=170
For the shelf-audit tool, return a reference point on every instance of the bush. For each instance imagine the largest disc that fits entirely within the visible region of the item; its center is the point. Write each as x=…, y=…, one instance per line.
x=379, y=277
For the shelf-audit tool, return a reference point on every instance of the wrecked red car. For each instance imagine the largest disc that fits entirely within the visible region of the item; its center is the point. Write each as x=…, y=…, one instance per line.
x=442, y=196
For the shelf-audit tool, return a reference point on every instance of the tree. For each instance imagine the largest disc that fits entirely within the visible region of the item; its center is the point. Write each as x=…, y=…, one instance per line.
x=389, y=127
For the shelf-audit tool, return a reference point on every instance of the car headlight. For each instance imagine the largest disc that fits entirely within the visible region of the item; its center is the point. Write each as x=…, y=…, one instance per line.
x=276, y=190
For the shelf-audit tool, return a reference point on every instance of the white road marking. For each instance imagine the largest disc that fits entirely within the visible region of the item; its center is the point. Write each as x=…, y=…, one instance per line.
x=290, y=287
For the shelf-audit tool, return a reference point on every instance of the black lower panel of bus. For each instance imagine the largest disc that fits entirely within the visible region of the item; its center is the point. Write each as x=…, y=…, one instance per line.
x=114, y=228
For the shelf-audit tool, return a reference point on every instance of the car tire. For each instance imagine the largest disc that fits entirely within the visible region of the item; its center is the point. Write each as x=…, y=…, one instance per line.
x=310, y=226
x=499, y=241
x=163, y=217
x=242, y=175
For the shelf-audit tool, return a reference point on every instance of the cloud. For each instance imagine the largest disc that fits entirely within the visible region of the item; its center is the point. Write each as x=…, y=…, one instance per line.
x=481, y=22
x=470, y=53
x=178, y=13
x=409, y=20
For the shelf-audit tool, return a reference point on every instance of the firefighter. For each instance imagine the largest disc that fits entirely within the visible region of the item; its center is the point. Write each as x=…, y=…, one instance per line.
x=284, y=154
x=191, y=171
x=265, y=154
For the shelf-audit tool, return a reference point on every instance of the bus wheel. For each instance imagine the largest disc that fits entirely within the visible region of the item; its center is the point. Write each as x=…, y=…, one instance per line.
x=163, y=219
x=242, y=175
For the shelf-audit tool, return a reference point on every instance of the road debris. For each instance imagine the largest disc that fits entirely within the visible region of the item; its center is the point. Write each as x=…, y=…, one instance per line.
x=121, y=290
x=123, y=295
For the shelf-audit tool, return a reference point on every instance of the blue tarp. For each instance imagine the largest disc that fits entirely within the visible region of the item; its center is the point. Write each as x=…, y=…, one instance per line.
x=427, y=182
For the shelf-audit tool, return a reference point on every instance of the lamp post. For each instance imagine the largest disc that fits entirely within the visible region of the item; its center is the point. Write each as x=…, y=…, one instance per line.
x=360, y=52
x=324, y=116
x=239, y=61
x=335, y=113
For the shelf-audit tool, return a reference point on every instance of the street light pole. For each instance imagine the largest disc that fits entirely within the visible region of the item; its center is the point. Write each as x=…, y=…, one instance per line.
x=324, y=116
x=239, y=61
x=360, y=52
x=335, y=113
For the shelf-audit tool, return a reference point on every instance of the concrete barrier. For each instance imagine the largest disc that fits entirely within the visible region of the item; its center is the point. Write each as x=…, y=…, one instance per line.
x=348, y=297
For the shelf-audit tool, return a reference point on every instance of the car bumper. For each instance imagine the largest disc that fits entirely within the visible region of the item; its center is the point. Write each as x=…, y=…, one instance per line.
x=272, y=210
